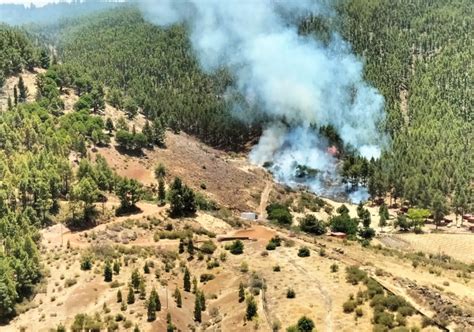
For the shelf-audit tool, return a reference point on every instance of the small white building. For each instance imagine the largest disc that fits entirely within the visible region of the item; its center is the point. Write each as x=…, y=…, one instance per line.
x=248, y=215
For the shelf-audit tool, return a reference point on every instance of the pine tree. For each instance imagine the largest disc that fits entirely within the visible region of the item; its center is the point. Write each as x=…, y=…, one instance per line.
x=241, y=293
x=15, y=95
x=116, y=267
x=251, y=311
x=135, y=279
x=146, y=268
x=131, y=295
x=151, y=310
x=190, y=246
x=158, y=134
x=187, y=280
x=136, y=329
x=148, y=133
x=109, y=125
x=108, y=273
x=195, y=285
x=119, y=296
x=22, y=91
x=197, y=309
x=202, y=299
x=142, y=289
x=169, y=323
x=161, y=192
x=156, y=298
x=9, y=103
x=181, y=246
x=177, y=296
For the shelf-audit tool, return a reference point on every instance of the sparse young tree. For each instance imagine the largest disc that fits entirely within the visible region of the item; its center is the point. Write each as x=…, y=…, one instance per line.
x=116, y=267
x=142, y=289
x=251, y=310
x=241, y=293
x=202, y=299
x=108, y=273
x=197, y=309
x=131, y=295
x=135, y=279
x=119, y=296
x=187, y=280
x=22, y=91
x=177, y=296
x=151, y=309
x=109, y=125
x=161, y=192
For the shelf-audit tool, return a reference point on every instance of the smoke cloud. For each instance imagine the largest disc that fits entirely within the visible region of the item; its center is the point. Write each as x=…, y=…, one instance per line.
x=296, y=81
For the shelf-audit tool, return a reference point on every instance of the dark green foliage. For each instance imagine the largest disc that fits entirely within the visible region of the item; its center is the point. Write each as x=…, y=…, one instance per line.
x=17, y=53
x=197, y=309
x=303, y=252
x=290, y=294
x=129, y=191
x=349, y=306
x=251, y=310
x=116, y=267
x=161, y=192
x=305, y=324
x=86, y=262
x=343, y=223
x=158, y=73
x=418, y=62
x=146, y=268
x=182, y=199
x=237, y=247
x=342, y=209
x=119, y=296
x=135, y=279
x=156, y=299
x=177, y=296
x=187, y=280
x=22, y=90
x=131, y=295
x=241, y=293
x=202, y=299
x=108, y=273
x=310, y=224
x=206, y=277
x=279, y=213
x=151, y=309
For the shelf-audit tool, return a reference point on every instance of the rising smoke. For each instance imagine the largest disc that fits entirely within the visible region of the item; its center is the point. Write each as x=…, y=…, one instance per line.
x=297, y=81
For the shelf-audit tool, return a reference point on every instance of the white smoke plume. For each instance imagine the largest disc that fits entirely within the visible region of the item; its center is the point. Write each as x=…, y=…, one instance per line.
x=296, y=80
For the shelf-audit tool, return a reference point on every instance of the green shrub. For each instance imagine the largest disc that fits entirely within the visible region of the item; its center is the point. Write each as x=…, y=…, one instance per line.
x=384, y=318
x=349, y=306
x=208, y=247
x=290, y=293
x=406, y=310
x=279, y=213
x=310, y=224
x=237, y=247
x=354, y=275
x=271, y=245
x=304, y=252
